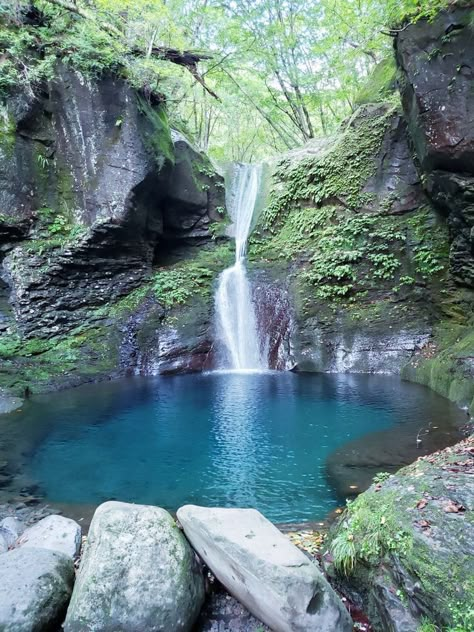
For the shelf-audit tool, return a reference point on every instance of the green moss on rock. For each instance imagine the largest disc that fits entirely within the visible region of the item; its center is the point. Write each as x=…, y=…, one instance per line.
x=38, y=365
x=446, y=365
x=159, y=140
x=415, y=545
x=381, y=83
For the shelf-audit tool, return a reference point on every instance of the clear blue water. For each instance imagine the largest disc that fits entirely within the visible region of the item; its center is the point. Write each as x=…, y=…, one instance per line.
x=250, y=440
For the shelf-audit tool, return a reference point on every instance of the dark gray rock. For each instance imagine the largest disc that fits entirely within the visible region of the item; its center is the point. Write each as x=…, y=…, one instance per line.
x=101, y=158
x=36, y=587
x=339, y=348
x=436, y=59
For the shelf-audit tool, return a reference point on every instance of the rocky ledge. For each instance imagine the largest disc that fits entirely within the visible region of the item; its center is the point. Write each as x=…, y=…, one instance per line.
x=404, y=549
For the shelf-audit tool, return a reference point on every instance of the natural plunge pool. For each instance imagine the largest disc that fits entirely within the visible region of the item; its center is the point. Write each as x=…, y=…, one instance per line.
x=291, y=445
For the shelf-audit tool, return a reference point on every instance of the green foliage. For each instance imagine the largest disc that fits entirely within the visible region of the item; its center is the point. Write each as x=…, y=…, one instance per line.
x=339, y=171
x=431, y=248
x=57, y=226
x=295, y=69
x=427, y=626
x=91, y=50
x=22, y=66
x=178, y=284
x=380, y=85
x=462, y=617
x=42, y=161
x=381, y=477
x=369, y=530
x=346, y=241
x=159, y=140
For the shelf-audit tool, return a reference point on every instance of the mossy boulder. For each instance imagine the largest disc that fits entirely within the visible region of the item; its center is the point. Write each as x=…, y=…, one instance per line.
x=404, y=549
x=36, y=588
x=137, y=573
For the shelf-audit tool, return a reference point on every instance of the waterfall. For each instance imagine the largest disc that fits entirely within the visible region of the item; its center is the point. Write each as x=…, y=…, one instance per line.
x=236, y=319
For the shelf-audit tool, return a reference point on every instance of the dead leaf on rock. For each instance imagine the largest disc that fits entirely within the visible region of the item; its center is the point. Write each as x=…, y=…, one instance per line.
x=421, y=504
x=453, y=507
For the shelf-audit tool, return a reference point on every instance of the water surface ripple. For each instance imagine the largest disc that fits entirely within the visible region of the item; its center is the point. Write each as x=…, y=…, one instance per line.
x=274, y=441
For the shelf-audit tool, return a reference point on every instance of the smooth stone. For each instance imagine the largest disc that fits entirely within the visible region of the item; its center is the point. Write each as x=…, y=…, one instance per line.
x=11, y=528
x=35, y=587
x=261, y=568
x=137, y=573
x=9, y=403
x=55, y=533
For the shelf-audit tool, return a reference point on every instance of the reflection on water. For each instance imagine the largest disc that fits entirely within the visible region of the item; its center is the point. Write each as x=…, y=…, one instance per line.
x=289, y=445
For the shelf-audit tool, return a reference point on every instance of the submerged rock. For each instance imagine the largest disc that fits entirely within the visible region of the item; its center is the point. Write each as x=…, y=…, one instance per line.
x=404, y=550
x=55, y=533
x=263, y=570
x=9, y=403
x=36, y=585
x=137, y=573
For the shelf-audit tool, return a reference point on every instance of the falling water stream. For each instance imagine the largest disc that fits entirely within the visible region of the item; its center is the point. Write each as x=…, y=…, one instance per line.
x=236, y=319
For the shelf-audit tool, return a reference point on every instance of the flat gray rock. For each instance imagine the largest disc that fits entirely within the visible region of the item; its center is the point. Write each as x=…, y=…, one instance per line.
x=35, y=587
x=264, y=570
x=137, y=573
x=55, y=533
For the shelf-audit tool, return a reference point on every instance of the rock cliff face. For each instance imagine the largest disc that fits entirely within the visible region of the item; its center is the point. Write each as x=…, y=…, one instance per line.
x=365, y=252
x=375, y=225
x=97, y=193
x=436, y=60
x=362, y=260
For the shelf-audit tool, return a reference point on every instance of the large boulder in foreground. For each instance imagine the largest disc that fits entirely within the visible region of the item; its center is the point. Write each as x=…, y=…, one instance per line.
x=404, y=549
x=263, y=570
x=55, y=533
x=137, y=573
x=35, y=587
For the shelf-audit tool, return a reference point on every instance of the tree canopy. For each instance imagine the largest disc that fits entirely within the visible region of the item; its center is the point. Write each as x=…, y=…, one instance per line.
x=243, y=78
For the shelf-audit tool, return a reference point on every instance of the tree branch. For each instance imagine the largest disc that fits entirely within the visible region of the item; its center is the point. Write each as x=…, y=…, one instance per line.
x=187, y=59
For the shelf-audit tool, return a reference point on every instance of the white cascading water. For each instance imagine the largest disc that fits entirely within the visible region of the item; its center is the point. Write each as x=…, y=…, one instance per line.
x=236, y=319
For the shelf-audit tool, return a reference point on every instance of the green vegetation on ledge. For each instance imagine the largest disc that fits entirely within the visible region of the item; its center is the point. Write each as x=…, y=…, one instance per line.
x=410, y=534
x=320, y=214
x=37, y=365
